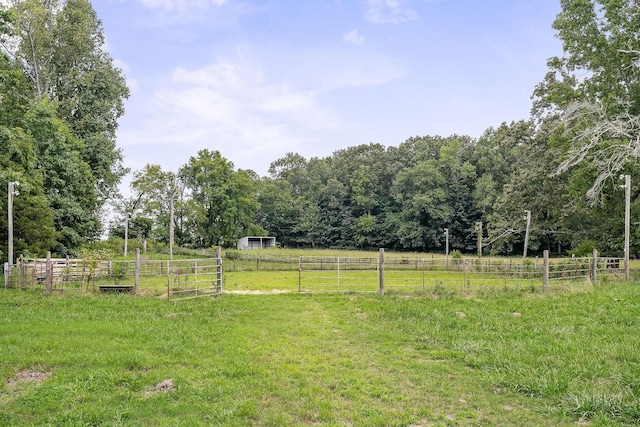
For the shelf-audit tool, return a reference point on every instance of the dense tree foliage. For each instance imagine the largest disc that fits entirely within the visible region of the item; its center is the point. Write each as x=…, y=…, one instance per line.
x=223, y=200
x=402, y=197
x=60, y=98
x=594, y=89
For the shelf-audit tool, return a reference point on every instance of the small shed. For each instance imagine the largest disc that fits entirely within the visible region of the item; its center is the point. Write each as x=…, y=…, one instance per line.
x=256, y=243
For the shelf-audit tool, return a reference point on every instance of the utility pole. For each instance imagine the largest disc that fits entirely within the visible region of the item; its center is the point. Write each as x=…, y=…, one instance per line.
x=10, y=194
x=126, y=233
x=446, y=245
x=174, y=190
x=526, y=234
x=479, y=229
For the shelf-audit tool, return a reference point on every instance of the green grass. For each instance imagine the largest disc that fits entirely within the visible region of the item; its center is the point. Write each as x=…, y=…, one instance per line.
x=513, y=358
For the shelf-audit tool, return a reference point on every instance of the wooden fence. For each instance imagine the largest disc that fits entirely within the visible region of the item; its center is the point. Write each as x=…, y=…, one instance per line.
x=178, y=279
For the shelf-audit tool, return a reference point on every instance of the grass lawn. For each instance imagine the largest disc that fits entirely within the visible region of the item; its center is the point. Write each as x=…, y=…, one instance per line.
x=514, y=358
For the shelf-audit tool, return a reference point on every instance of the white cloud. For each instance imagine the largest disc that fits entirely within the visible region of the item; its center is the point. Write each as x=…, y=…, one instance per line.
x=354, y=38
x=180, y=5
x=388, y=12
x=253, y=106
x=228, y=106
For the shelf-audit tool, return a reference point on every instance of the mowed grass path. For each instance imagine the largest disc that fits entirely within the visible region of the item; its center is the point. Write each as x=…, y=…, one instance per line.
x=362, y=360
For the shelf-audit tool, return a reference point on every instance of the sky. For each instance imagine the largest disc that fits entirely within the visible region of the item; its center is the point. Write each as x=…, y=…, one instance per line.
x=256, y=79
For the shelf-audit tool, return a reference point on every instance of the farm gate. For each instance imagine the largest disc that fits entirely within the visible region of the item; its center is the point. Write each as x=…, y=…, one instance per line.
x=177, y=279
x=338, y=274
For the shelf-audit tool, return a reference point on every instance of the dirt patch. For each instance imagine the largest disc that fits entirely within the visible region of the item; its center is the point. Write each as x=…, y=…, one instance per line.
x=27, y=377
x=165, y=386
x=257, y=292
x=14, y=385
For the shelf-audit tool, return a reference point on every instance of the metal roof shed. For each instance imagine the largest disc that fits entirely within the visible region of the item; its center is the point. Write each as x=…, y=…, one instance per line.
x=249, y=242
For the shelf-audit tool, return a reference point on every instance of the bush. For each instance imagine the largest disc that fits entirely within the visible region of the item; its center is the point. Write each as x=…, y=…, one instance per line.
x=585, y=248
x=456, y=256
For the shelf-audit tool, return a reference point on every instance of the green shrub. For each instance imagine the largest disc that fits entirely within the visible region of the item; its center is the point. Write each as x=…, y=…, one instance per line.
x=456, y=256
x=585, y=248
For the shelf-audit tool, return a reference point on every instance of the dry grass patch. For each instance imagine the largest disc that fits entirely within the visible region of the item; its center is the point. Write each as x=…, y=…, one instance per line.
x=165, y=386
x=17, y=386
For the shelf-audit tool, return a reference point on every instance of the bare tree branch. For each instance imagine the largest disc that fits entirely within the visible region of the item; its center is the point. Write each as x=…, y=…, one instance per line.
x=505, y=233
x=609, y=142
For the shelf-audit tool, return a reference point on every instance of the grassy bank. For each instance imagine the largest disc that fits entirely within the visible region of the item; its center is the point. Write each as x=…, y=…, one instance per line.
x=511, y=359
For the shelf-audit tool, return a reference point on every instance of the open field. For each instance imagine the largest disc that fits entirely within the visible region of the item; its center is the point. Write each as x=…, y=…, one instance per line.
x=513, y=358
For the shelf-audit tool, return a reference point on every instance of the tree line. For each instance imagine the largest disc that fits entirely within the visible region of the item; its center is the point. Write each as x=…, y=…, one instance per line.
x=401, y=198
x=562, y=164
x=60, y=99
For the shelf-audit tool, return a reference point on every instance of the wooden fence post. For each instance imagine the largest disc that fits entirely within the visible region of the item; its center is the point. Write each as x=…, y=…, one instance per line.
x=137, y=276
x=381, y=272
x=594, y=266
x=49, y=274
x=299, y=274
x=546, y=270
x=23, y=272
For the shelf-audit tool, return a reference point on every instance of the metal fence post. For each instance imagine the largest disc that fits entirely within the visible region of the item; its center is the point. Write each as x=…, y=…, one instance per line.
x=381, y=272
x=168, y=278
x=137, y=274
x=546, y=270
x=219, y=268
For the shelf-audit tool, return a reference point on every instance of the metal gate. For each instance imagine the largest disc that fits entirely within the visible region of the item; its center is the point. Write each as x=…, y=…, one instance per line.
x=338, y=274
x=188, y=279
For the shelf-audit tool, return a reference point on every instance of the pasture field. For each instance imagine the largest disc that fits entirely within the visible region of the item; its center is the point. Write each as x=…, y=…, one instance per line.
x=513, y=358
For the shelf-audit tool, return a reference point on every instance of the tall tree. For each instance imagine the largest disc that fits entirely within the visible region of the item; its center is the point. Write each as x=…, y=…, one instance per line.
x=34, y=231
x=156, y=189
x=293, y=169
x=277, y=212
x=224, y=200
x=595, y=87
x=33, y=226
x=420, y=192
x=68, y=182
x=90, y=90
x=59, y=44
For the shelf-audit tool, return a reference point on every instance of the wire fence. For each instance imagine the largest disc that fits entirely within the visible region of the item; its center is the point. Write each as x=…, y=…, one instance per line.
x=177, y=279
x=189, y=278
x=429, y=275
x=238, y=261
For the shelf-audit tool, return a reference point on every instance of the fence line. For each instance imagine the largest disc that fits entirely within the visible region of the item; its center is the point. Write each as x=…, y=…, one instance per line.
x=181, y=279
x=177, y=279
x=365, y=274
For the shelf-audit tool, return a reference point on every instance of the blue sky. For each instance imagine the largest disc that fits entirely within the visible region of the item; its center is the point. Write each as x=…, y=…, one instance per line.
x=256, y=79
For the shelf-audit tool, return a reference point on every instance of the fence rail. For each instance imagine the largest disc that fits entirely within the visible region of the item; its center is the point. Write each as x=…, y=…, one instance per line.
x=182, y=279
x=177, y=279
x=342, y=274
